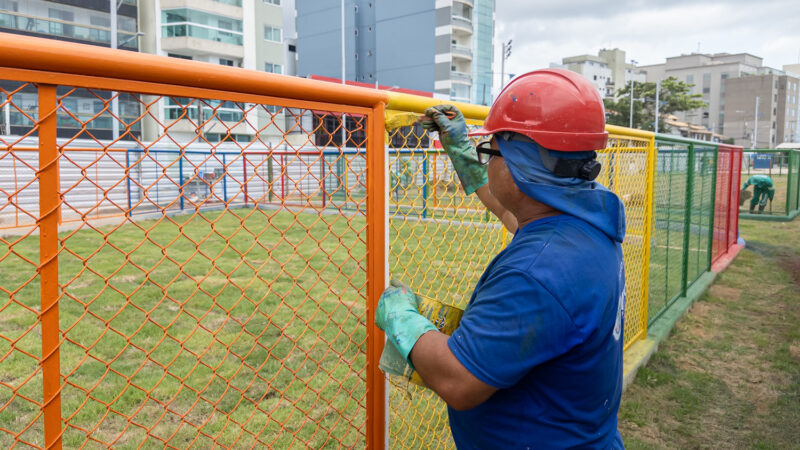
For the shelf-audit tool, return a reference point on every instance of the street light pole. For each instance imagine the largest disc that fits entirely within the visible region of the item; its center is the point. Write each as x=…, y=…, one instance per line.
x=633, y=62
x=755, y=126
x=658, y=103
x=114, y=95
x=504, y=54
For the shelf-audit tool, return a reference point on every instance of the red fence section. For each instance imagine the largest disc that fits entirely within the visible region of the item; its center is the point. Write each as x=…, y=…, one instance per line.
x=726, y=210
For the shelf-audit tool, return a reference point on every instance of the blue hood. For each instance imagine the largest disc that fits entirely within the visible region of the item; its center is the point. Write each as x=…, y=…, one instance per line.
x=587, y=200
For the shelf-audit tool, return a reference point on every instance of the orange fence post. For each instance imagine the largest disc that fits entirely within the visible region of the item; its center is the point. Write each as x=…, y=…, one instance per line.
x=376, y=276
x=49, y=205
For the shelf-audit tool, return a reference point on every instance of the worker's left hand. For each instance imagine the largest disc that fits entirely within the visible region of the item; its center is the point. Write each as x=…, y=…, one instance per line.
x=398, y=316
x=452, y=128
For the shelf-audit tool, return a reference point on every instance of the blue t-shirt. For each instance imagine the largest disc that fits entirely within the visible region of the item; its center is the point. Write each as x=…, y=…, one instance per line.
x=544, y=326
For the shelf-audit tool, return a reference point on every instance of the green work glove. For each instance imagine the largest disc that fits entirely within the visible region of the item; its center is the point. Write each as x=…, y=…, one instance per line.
x=398, y=316
x=449, y=122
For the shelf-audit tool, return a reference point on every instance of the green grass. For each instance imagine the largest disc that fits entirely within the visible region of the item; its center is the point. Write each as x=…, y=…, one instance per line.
x=248, y=324
x=729, y=375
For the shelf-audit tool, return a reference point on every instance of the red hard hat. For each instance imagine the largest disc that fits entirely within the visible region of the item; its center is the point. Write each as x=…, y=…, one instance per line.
x=558, y=109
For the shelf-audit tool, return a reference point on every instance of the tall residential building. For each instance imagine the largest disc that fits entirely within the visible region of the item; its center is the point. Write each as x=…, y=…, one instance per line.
x=443, y=47
x=777, y=109
x=707, y=72
x=87, y=22
x=483, y=51
x=608, y=71
x=237, y=33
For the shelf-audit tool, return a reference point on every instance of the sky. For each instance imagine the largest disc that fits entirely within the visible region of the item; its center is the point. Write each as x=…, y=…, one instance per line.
x=544, y=31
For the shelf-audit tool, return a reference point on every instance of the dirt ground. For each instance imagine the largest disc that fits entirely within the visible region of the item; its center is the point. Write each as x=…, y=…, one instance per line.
x=729, y=374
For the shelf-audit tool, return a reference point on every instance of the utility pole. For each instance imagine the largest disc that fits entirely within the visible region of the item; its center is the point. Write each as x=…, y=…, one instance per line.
x=755, y=126
x=658, y=103
x=504, y=54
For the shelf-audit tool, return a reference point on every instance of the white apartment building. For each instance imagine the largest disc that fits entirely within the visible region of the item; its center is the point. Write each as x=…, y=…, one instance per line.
x=237, y=33
x=608, y=71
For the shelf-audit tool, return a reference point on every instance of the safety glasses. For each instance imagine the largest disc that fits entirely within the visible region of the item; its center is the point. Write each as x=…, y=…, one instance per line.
x=485, y=152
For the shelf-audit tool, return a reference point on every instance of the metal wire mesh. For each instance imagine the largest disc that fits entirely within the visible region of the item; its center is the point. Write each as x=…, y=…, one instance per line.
x=726, y=209
x=782, y=168
x=666, y=254
x=209, y=291
x=442, y=240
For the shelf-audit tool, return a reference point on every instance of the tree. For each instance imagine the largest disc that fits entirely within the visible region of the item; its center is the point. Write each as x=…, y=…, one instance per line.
x=675, y=96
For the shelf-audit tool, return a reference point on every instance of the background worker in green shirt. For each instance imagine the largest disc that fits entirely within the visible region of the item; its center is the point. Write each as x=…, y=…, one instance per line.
x=763, y=189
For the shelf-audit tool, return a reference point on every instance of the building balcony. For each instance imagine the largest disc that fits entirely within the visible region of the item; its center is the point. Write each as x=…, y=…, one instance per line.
x=461, y=77
x=192, y=40
x=466, y=2
x=65, y=29
x=463, y=24
x=460, y=51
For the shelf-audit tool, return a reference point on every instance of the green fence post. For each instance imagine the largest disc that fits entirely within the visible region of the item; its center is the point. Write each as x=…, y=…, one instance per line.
x=789, y=154
x=687, y=218
x=713, y=216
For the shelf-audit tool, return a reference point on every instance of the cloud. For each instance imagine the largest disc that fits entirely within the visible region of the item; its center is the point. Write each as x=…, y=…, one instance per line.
x=544, y=32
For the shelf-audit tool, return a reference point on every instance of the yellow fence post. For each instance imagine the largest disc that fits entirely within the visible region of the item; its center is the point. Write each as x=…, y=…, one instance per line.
x=49, y=204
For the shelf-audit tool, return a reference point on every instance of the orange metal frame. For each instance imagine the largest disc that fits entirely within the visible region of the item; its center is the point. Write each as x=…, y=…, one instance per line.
x=50, y=63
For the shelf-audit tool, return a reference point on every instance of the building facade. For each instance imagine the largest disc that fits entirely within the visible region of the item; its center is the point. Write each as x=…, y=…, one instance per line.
x=777, y=113
x=86, y=22
x=707, y=73
x=608, y=71
x=236, y=33
x=445, y=47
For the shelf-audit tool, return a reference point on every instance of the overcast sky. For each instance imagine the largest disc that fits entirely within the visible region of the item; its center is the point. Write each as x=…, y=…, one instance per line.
x=544, y=31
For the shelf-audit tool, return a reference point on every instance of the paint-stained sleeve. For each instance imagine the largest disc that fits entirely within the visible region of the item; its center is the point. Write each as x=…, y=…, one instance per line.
x=512, y=325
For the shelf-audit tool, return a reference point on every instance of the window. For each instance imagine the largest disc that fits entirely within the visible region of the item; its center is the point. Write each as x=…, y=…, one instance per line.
x=175, y=55
x=272, y=34
x=226, y=62
x=273, y=2
x=690, y=79
x=292, y=48
x=273, y=68
x=192, y=23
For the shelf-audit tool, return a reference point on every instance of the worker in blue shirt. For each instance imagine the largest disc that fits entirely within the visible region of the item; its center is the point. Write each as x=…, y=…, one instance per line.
x=536, y=361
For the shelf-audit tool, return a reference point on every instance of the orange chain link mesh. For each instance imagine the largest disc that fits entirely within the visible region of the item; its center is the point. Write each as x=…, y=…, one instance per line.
x=211, y=272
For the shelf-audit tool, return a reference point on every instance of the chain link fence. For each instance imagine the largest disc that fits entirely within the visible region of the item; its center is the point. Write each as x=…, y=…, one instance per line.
x=209, y=276
x=783, y=169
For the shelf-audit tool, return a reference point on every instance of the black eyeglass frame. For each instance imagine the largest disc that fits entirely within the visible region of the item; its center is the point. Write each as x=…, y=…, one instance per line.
x=485, y=150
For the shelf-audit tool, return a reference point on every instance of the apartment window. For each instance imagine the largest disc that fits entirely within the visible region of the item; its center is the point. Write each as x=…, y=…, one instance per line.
x=273, y=68
x=690, y=79
x=292, y=48
x=175, y=55
x=272, y=34
x=273, y=2
x=193, y=23
x=226, y=62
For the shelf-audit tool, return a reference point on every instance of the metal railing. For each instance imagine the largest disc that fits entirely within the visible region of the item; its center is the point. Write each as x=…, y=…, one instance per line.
x=460, y=50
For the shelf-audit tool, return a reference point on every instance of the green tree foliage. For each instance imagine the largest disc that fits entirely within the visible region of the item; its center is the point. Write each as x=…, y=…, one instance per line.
x=675, y=97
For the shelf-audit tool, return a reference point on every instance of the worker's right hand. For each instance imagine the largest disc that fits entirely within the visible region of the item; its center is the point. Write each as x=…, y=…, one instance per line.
x=398, y=316
x=452, y=128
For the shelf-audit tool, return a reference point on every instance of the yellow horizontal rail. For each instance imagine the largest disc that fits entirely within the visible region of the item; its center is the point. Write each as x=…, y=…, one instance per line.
x=418, y=104
x=629, y=132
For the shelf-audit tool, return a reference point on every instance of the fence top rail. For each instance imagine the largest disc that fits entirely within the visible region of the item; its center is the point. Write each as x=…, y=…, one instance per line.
x=617, y=131
x=40, y=54
x=400, y=101
x=770, y=150
x=682, y=140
